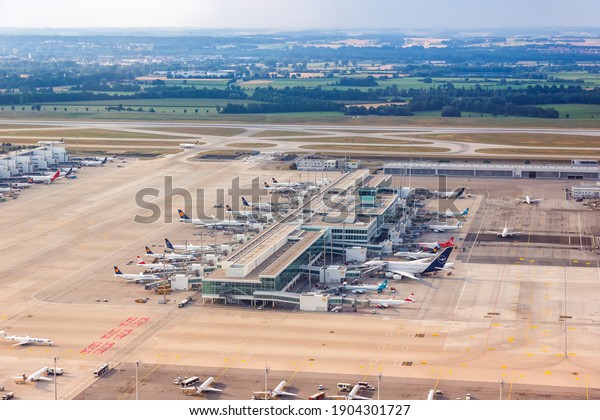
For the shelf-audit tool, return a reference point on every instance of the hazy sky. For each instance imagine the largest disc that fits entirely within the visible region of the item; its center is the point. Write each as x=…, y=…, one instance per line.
x=298, y=14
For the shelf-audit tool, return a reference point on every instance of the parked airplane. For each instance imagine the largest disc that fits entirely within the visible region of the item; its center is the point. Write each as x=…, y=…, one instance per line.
x=35, y=376
x=360, y=288
x=529, y=200
x=169, y=257
x=135, y=277
x=45, y=179
x=384, y=303
x=416, y=255
x=445, y=228
x=155, y=266
x=275, y=393
x=213, y=223
x=93, y=162
x=258, y=206
x=190, y=248
x=505, y=232
x=9, y=190
x=204, y=387
x=453, y=213
x=286, y=184
x=457, y=193
x=239, y=213
x=436, y=246
x=25, y=340
x=352, y=395
x=431, y=394
x=281, y=189
x=413, y=269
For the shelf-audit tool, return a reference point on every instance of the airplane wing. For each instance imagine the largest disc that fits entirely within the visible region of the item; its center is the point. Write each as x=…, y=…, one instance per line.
x=42, y=378
x=287, y=394
x=495, y=233
x=20, y=343
x=405, y=274
x=212, y=389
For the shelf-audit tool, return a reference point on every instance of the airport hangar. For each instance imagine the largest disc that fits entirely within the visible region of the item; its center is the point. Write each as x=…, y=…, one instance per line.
x=577, y=170
x=267, y=267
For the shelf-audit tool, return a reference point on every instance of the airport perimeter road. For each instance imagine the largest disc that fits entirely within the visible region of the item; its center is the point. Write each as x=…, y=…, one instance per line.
x=61, y=241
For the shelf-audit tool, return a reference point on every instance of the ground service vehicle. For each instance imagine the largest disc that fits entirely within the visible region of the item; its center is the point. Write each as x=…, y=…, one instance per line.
x=189, y=381
x=102, y=369
x=59, y=371
x=344, y=387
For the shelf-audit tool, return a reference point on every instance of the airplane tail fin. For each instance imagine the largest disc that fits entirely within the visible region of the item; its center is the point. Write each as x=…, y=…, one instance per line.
x=2, y=334
x=382, y=286
x=464, y=213
x=182, y=216
x=266, y=185
x=410, y=298
x=140, y=260
x=117, y=271
x=55, y=176
x=245, y=203
x=228, y=208
x=149, y=251
x=169, y=244
x=274, y=180
x=440, y=261
x=104, y=161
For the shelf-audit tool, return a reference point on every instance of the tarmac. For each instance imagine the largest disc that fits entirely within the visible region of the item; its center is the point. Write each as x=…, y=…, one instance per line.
x=498, y=315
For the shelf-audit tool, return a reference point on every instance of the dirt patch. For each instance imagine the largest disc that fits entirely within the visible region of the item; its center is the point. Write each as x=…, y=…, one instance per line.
x=514, y=139
x=251, y=145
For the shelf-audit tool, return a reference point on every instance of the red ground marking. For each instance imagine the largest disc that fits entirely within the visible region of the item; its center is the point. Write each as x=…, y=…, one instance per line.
x=105, y=347
x=91, y=347
x=128, y=321
x=122, y=334
x=110, y=333
x=140, y=321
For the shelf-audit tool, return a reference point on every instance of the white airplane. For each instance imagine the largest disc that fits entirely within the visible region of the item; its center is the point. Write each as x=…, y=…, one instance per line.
x=258, y=206
x=135, y=277
x=384, y=303
x=213, y=223
x=457, y=193
x=360, y=288
x=239, y=213
x=529, y=200
x=46, y=179
x=248, y=214
x=412, y=269
x=286, y=184
x=169, y=257
x=35, y=376
x=190, y=248
x=415, y=255
x=155, y=266
x=453, y=213
x=352, y=395
x=505, y=232
x=275, y=393
x=445, y=228
x=281, y=189
x=25, y=340
x=9, y=190
x=202, y=388
x=436, y=246
x=93, y=162
x=188, y=145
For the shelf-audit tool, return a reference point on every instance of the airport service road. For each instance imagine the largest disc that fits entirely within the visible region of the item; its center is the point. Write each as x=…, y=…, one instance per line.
x=484, y=322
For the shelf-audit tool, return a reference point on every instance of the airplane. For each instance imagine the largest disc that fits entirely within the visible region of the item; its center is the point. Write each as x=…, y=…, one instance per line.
x=168, y=257
x=213, y=223
x=286, y=184
x=47, y=179
x=135, y=277
x=281, y=189
x=9, y=190
x=384, y=303
x=93, y=162
x=258, y=206
x=445, y=228
x=431, y=394
x=457, y=193
x=239, y=213
x=415, y=255
x=275, y=393
x=35, y=376
x=360, y=288
x=352, y=395
x=24, y=340
x=505, y=232
x=436, y=246
x=249, y=215
x=412, y=269
x=529, y=200
x=202, y=388
x=189, y=247
x=155, y=266
x=453, y=213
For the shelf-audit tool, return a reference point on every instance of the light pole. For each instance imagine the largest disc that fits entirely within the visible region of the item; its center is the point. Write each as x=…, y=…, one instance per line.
x=55, y=386
x=378, y=384
x=137, y=394
x=266, y=373
x=501, y=387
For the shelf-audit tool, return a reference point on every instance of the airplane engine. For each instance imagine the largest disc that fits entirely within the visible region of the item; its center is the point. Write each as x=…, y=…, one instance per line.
x=397, y=277
x=389, y=274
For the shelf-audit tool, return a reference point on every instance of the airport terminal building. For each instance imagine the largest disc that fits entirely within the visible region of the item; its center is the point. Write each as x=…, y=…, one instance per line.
x=576, y=170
